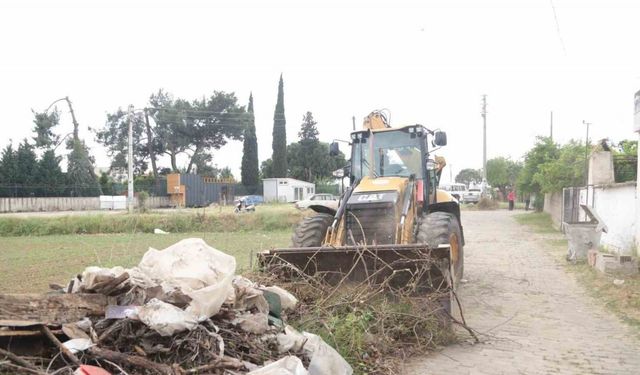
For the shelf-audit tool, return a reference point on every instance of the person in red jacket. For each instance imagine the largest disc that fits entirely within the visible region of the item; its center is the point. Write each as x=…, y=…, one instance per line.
x=511, y=197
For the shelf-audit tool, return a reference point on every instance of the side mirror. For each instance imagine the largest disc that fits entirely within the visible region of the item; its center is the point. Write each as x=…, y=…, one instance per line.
x=334, y=149
x=440, y=139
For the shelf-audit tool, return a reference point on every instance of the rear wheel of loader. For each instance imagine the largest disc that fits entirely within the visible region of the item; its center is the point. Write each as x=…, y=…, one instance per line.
x=310, y=232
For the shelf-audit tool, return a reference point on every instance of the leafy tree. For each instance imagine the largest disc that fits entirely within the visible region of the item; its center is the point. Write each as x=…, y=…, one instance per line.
x=115, y=137
x=308, y=129
x=625, y=161
x=307, y=153
x=50, y=176
x=225, y=173
x=106, y=184
x=502, y=173
x=249, y=170
x=310, y=162
x=80, y=172
x=203, y=165
x=196, y=127
x=279, y=145
x=545, y=150
x=468, y=176
x=627, y=147
x=26, y=165
x=564, y=171
x=43, y=127
x=266, y=169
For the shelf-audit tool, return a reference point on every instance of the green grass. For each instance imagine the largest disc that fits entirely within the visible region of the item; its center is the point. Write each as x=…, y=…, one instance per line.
x=539, y=221
x=623, y=300
x=266, y=218
x=29, y=264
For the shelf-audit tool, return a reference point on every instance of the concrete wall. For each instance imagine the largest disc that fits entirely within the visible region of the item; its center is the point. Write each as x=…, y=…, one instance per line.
x=553, y=206
x=616, y=206
x=65, y=204
x=601, y=168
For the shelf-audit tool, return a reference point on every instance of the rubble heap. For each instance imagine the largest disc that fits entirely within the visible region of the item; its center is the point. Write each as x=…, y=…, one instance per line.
x=181, y=310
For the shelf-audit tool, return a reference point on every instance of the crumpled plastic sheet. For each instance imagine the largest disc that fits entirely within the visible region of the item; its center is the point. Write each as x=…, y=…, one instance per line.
x=189, y=273
x=166, y=319
x=287, y=300
x=289, y=365
x=290, y=340
x=197, y=270
x=325, y=360
x=257, y=323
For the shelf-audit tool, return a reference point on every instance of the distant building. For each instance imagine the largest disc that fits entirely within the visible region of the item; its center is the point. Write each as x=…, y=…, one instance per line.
x=192, y=190
x=286, y=189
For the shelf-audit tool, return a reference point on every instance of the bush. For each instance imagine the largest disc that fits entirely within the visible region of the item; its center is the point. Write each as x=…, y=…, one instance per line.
x=267, y=220
x=487, y=204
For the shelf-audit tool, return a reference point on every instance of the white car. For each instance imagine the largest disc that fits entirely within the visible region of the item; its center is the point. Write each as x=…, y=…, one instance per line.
x=472, y=195
x=327, y=200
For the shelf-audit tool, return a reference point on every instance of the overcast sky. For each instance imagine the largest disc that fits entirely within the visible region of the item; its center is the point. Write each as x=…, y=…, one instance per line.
x=428, y=62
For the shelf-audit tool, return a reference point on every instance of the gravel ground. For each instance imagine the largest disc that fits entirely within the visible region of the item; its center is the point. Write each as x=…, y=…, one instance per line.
x=534, y=316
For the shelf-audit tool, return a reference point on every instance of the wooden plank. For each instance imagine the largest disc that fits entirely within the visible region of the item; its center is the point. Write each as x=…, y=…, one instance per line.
x=51, y=309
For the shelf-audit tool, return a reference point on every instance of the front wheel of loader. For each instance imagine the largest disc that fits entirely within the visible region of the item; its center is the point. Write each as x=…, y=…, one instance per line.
x=443, y=228
x=311, y=230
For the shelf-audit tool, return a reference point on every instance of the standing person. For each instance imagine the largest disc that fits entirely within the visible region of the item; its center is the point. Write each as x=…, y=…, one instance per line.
x=511, y=197
x=527, y=201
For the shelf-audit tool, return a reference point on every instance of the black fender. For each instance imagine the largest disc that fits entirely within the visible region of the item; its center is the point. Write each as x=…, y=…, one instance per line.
x=323, y=209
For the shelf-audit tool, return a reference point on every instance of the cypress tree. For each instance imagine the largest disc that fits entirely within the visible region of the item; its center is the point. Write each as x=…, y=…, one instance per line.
x=279, y=136
x=50, y=178
x=80, y=172
x=249, y=169
x=26, y=169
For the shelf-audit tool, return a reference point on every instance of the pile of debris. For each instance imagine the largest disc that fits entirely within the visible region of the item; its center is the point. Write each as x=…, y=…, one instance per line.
x=182, y=310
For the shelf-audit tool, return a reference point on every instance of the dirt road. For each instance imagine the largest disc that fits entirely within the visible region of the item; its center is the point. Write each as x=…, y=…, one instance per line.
x=535, y=317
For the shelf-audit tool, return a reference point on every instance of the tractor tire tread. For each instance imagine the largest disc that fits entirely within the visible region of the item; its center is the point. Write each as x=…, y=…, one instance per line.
x=311, y=230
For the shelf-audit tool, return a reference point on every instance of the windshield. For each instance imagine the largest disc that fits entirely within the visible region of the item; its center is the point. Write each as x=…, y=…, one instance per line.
x=390, y=153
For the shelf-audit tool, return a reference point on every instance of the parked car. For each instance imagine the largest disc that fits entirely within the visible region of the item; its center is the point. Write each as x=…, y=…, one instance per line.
x=328, y=200
x=251, y=200
x=472, y=195
x=457, y=190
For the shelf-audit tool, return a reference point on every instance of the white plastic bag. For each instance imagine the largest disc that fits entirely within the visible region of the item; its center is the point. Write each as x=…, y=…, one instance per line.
x=325, y=360
x=291, y=339
x=289, y=365
x=196, y=269
x=166, y=319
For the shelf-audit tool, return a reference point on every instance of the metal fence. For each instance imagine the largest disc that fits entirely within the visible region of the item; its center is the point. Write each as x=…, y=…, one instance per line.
x=625, y=168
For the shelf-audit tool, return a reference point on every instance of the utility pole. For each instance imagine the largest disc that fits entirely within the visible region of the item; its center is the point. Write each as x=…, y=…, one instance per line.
x=353, y=120
x=586, y=155
x=551, y=127
x=130, y=159
x=484, y=138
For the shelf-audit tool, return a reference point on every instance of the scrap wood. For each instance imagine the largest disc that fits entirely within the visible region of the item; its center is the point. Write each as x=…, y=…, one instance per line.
x=51, y=309
x=22, y=362
x=132, y=360
x=109, y=286
x=225, y=362
x=72, y=357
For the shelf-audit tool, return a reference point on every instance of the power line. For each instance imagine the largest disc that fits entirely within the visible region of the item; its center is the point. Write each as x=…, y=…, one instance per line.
x=555, y=17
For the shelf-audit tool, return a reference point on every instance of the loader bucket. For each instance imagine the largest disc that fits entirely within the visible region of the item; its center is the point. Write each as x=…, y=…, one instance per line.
x=412, y=266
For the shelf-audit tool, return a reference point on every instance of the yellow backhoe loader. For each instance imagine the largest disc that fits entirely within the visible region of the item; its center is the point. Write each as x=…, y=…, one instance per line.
x=391, y=216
